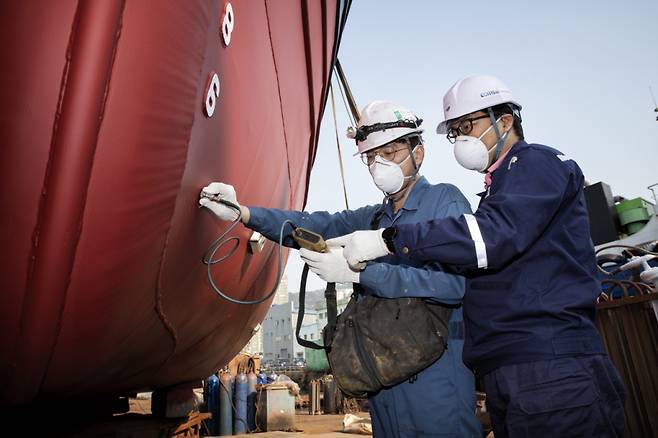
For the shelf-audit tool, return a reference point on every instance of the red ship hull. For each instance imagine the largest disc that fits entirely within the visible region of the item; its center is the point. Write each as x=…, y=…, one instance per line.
x=106, y=142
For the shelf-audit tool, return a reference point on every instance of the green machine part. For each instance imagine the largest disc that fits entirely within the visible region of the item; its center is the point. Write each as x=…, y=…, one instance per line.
x=316, y=360
x=633, y=214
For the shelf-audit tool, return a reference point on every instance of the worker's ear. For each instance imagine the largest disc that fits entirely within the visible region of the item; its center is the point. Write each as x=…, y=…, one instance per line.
x=419, y=154
x=507, y=121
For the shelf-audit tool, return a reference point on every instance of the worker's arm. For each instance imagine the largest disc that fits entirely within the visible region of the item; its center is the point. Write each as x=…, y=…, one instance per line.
x=394, y=281
x=221, y=199
x=268, y=221
x=505, y=224
x=397, y=281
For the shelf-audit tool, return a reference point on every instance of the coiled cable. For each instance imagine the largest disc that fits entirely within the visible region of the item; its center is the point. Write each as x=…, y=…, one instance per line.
x=209, y=260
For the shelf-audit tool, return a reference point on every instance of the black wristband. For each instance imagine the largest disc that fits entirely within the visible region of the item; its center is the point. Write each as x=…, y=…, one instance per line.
x=388, y=235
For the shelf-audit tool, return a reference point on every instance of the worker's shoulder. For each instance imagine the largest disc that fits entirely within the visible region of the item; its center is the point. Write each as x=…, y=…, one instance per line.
x=442, y=194
x=445, y=190
x=367, y=209
x=540, y=154
x=536, y=150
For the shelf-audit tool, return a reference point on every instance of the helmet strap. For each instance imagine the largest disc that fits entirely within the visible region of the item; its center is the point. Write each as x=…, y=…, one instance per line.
x=411, y=155
x=501, y=139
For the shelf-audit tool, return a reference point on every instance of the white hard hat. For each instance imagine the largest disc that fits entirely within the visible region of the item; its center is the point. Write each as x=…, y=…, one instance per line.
x=473, y=93
x=382, y=122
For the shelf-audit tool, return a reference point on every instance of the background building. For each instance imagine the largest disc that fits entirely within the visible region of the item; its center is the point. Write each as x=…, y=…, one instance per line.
x=279, y=344
x=255, y=344
x=281, y=294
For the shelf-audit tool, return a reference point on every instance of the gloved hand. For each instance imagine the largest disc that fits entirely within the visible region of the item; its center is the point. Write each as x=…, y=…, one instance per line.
x=330, y=266
x=361, y=246
x=224, y=191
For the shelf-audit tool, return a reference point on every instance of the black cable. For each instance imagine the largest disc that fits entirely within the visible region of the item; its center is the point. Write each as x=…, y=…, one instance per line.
x=208, y=256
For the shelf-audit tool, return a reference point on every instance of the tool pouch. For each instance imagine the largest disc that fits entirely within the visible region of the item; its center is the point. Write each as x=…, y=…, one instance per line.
x=378, y=342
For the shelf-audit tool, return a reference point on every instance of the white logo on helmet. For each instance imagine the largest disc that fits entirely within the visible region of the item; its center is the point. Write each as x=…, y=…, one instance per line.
x=489, y=93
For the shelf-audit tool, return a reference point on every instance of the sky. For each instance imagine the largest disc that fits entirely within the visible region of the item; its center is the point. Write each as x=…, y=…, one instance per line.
x=580, y=69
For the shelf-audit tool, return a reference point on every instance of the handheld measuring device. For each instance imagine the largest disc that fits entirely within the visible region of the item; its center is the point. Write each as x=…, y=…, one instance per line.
x=309, y=240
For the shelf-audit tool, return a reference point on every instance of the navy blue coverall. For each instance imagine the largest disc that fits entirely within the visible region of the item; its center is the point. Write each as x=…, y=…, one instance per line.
x=440, y=402
x=530, y=298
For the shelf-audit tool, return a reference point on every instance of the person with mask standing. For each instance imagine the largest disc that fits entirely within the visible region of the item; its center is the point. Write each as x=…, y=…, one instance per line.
x=440, y=400
x=531, y=284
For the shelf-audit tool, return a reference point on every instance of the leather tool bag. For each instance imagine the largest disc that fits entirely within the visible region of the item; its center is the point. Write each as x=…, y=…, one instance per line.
x=378, y=342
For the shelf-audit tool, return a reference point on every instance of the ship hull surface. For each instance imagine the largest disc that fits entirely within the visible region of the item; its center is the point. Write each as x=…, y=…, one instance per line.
x=106, y=141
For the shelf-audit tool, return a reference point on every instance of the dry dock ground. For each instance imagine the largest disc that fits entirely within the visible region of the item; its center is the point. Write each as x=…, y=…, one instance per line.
x=140, y=423
x=314, y=426
x=318, y=426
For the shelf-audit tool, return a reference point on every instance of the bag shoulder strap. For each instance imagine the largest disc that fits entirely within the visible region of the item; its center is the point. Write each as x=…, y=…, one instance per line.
x=374, y=223
x=332, y=313
x=300, y=313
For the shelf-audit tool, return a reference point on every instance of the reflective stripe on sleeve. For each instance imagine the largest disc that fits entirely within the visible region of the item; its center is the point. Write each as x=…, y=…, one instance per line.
x=476, y=235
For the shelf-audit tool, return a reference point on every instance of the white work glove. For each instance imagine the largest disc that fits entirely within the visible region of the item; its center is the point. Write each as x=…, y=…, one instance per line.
x=330, y=266
x=361, y=246
x=223, y=191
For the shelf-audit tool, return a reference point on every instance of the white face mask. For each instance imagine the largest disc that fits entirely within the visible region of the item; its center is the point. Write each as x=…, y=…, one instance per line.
x=472, y=153
x=387, y=175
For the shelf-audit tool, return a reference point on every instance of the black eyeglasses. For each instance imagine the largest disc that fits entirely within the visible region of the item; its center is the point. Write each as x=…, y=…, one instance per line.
x=464, y=127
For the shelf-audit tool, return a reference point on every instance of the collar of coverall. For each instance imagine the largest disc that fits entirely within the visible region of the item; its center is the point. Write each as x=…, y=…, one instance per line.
x=493, y=167
x=487, y=181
